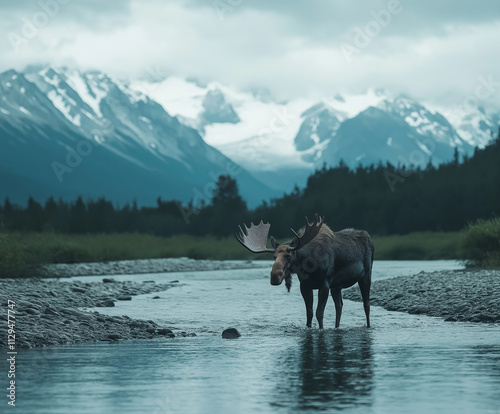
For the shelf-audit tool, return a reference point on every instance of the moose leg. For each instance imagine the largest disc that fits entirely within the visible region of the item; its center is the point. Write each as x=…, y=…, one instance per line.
x=307, y=294
x=337, y=299
x=322, y=299
x=364, y=286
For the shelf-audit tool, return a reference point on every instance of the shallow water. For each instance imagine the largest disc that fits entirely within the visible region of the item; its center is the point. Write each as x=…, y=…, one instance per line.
x=404, y=363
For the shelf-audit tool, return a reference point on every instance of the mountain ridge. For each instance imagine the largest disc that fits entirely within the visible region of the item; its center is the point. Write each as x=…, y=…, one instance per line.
x=173, y=136
x=104, y=139
x=415, y=132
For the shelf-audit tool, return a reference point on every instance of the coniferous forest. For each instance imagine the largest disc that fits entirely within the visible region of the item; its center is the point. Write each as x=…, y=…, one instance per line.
x=382, y=199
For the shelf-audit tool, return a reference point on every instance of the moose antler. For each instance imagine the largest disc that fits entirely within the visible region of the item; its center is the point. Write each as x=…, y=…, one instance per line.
x=311, y=230
x=255, y=237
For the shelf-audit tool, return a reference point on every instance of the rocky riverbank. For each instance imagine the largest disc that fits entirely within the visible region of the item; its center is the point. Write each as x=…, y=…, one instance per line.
x=463, y=295
x=46, y=311
x=127, y=267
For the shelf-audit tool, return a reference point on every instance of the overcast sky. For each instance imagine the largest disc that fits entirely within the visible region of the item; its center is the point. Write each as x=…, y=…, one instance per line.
x=436, y=50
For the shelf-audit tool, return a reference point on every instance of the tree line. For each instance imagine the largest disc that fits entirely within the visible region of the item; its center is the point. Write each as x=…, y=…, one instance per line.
x=382, y=199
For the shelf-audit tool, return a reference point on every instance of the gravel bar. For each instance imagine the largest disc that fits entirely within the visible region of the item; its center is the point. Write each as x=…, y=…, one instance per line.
x=47, y=311
x=455, y=295
x=127, y=267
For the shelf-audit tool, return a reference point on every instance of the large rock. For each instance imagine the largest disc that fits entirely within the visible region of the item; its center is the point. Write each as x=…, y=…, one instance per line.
x=108, y=303
x=166, y=332
x=230, y=333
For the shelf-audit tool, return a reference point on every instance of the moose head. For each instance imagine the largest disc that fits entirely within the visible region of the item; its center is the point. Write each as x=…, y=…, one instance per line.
x=255, y=240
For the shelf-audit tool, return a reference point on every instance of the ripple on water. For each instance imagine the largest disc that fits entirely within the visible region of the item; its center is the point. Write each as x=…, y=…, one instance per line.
x=404, y=363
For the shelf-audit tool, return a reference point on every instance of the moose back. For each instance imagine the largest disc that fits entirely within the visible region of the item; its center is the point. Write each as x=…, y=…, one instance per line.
x=323, y=260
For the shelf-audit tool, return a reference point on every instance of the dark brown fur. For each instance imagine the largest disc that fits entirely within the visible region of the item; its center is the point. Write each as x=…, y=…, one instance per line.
x=331, y=262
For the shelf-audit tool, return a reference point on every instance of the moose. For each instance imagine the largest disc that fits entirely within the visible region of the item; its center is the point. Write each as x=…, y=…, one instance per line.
x=322, y=259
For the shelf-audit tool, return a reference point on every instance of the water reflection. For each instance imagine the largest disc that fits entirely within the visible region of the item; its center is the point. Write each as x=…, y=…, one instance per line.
x=330, y=369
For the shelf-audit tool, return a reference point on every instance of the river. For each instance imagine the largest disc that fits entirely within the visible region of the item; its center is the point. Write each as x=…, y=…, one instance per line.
x=403, y=363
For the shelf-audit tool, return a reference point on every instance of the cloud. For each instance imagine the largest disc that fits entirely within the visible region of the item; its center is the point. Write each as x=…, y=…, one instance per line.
x=431, y=50
x=323, y=20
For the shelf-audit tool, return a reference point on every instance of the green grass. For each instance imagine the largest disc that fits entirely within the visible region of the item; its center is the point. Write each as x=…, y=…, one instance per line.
x=419, y=246
x=22, y=253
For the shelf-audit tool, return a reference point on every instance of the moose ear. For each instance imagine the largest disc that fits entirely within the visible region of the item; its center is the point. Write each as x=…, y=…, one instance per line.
x=274, y=243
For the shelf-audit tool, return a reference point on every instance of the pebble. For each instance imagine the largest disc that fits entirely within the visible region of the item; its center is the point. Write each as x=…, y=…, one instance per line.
x=108, y=303
x=455, y=295
x=124, y=267
x=32, y=311
x=47, y=311
x=166, y=332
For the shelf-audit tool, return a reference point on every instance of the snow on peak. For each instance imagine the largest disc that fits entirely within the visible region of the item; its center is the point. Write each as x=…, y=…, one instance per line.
x=474, y=125
x=133, y=94
x=24, y=110
x=90, y=89
x=57, y=92
x=352, y=105
x=177, y=96
x=61, y=104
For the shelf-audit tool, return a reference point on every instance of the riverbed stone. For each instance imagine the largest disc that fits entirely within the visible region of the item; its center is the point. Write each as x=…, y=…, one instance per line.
x=165, y=332
x=418, y=309
x=32, y=311
x=230, y=333
x=51, y=311
x=108, y=303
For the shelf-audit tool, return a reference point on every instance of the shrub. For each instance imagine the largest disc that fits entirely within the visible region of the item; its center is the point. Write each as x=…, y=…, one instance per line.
x=481, y=245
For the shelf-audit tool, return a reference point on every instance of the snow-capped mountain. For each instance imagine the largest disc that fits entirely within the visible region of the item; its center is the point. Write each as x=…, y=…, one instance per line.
x=398, y=130
x=474, y=125
x=283, y=142
x=262, y=139
x=65, y=133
